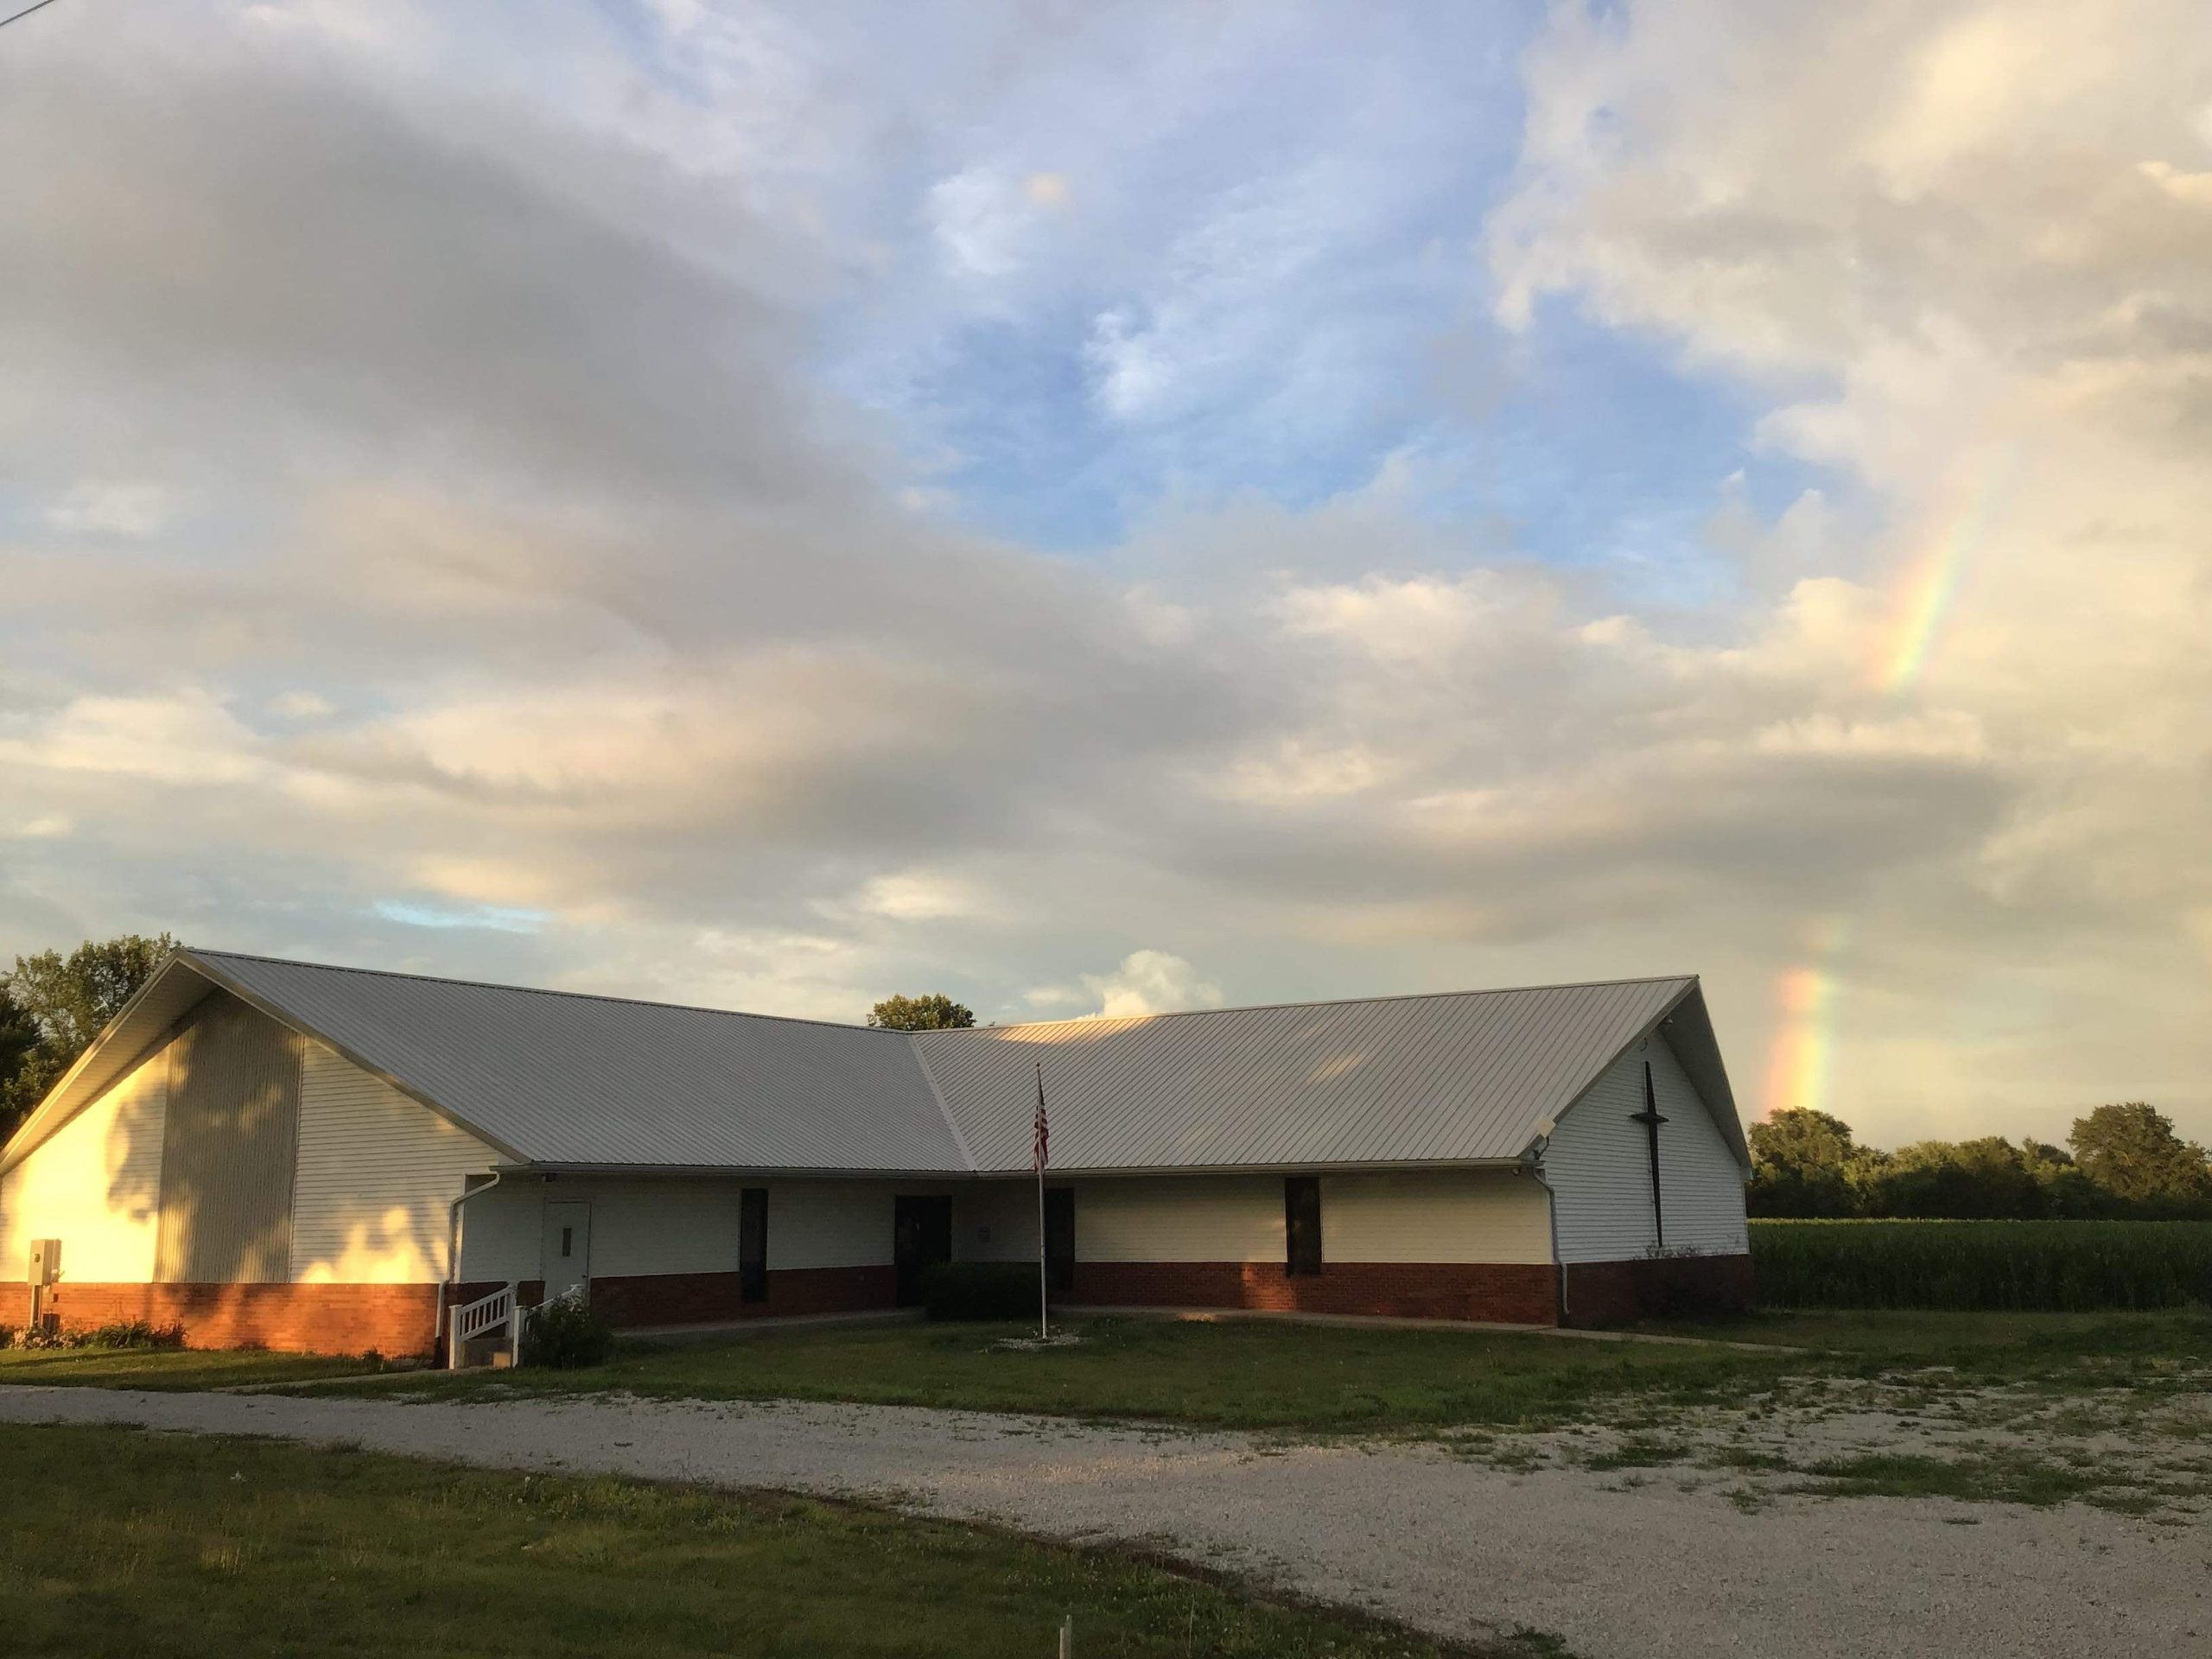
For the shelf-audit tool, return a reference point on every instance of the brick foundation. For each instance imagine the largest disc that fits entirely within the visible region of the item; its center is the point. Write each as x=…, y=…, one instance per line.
x=394, y=1319
x=711, y=1298
x=1620, y=1293
x=1517, y=1293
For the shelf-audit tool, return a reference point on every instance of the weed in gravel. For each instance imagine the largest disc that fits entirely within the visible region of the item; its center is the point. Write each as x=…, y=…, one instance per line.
x=2005, y=1478
x=1635, y=1452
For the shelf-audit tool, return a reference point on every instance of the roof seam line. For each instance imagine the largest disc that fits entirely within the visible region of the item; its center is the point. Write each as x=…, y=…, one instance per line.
x=959, y=1141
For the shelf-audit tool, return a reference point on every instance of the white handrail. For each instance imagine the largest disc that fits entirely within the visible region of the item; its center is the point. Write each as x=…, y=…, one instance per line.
x=486, y=1314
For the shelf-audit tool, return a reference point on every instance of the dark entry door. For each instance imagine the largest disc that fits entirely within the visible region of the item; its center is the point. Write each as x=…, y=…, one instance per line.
x=1059, y=1240
x=921, y=1233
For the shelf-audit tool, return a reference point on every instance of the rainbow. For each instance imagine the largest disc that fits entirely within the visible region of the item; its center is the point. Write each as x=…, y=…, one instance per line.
x=1804, y=1041
x=1800, y=1065
x=1925, y=595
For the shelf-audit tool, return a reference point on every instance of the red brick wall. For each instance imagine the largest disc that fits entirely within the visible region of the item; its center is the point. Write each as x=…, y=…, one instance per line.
x=709, y=1298
x=393, y=1319
x=1515, y=1292
x=1619, y=1292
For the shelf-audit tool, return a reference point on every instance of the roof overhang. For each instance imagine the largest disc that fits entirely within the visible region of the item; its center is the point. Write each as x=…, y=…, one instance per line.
x=729, y=1171
x=1688, y=1028
x=161, y=1005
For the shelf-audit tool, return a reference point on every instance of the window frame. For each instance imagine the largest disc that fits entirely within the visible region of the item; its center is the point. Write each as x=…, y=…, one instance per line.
x=1303, y=1257
x=753, y=1245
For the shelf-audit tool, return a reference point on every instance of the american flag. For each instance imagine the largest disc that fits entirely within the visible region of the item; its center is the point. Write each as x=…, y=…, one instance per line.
x=1037, y=1148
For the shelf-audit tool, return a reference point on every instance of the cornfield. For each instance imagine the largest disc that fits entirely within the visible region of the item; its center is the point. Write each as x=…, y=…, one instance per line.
x=1983, y=1265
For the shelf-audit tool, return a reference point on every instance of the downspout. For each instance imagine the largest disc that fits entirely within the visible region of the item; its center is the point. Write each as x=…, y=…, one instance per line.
x=453, y=1252
x=1535, y=1157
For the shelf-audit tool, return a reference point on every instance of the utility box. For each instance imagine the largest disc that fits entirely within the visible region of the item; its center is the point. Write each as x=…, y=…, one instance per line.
x=45, y=1261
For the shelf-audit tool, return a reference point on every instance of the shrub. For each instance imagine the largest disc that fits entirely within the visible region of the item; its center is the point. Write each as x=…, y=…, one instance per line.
x=118, y=1333
x=2076, y=1266
x=128, y=1333
x=565, y=1334
x=7, y=1336
x=980, y=1290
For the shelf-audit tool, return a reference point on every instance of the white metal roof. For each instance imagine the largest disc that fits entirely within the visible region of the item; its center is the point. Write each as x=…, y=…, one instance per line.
x=1456, y=1078
x=560, y=1079
x=555, y=1078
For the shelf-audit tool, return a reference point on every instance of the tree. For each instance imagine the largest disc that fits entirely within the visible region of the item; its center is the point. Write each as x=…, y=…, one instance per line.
x=1799, y=1159
x=1985, y=1179
x=2131, y=1151
x=935, y=1012
x=55, y=1005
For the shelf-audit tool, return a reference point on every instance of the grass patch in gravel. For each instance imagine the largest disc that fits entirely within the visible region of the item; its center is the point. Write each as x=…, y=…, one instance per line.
x=124, y=1543
x=1986, y=1477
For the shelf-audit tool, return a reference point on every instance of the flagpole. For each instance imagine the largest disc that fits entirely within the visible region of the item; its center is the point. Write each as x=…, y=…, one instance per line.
x=1044, y=1314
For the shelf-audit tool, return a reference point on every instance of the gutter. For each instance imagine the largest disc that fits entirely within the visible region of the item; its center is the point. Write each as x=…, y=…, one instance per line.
x=452, y=1249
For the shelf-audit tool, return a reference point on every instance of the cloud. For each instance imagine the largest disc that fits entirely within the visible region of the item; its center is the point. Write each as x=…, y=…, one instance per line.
x=1948, y=234
x=136, y=510
x=1150, y=981
x=584, y=484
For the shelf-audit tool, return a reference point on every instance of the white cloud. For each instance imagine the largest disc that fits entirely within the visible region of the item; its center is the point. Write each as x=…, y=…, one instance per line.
x=189, y=737
x=917, y=896
x=1150, y=981
x=132, y=510
x=520, y=501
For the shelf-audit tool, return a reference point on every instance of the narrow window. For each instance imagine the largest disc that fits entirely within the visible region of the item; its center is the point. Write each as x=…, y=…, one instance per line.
x=753, y=1245
x=568, y=1243
x=1301, y=1218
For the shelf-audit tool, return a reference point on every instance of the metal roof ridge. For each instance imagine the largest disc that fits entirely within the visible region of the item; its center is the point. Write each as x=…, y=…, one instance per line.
x=1316, y=1002
x=540, y=991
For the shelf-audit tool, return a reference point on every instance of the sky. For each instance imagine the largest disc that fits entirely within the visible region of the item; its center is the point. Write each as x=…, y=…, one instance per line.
x=1115, y=509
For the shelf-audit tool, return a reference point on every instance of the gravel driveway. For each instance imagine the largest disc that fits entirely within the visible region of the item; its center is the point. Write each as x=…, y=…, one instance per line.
x=1460, y=1547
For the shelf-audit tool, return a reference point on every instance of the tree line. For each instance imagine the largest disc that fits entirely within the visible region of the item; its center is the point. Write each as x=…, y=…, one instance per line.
x=2121, y=1161
x=52, y=1006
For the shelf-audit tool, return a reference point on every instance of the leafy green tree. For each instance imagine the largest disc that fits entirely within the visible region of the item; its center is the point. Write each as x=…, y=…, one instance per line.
x=935, y=1012
x=1984, y=1180
x=19, y=1044
x=2130, y=1150
x=2068, y=1194
x=56, y=1004
x=1799, y=1159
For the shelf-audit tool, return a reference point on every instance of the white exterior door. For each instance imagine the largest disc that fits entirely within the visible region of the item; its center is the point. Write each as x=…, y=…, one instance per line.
x=566, y=1252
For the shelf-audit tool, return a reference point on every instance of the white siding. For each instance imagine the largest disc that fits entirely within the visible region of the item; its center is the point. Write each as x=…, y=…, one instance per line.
x=1398, y=1216
x=1470, y=1214
x=659, y=1226
x=1598, y=1164
x=642, y=1227
x=1699, y=1180
x=1005, y=1211
x=377, y=1173
x=499, y=1232
x=95, y=1184
x=834, y=1224
x=1181, y=1219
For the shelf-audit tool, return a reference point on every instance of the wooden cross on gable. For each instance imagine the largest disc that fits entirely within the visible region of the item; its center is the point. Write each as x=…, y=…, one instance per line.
x=1652, y=1119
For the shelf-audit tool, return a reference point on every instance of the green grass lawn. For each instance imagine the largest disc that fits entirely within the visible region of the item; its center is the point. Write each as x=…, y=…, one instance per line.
x=165, y=1368
x=1241, y=1375
x=118, y=1543
x=1256, y=1375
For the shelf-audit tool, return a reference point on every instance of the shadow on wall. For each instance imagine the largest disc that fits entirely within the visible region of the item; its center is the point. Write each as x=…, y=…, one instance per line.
x=224, y=1204
x=133, y=1148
